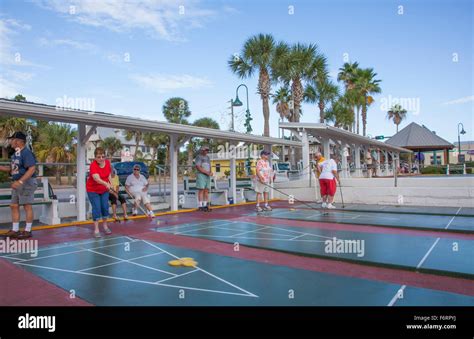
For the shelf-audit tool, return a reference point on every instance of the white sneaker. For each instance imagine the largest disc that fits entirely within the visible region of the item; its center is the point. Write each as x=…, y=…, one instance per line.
x=151, y=214
x=331, y=206
x=134, y=212
x=323, y=205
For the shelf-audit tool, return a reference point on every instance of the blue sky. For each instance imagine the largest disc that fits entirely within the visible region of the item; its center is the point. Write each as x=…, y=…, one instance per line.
x=130, y=56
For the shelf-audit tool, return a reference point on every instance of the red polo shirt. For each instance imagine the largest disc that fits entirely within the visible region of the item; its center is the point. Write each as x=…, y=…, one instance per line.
x=104, y=173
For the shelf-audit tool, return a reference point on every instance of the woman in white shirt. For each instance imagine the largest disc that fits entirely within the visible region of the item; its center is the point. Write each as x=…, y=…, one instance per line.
x=327, y=182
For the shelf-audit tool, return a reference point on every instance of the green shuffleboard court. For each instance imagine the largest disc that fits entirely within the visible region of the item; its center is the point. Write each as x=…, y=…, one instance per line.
x=128, y=271
x=451, y=256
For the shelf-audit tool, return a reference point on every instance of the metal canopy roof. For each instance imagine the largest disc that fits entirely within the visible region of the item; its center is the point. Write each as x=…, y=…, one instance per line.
x=329, y=132
x=52, y=113
x=417, y=137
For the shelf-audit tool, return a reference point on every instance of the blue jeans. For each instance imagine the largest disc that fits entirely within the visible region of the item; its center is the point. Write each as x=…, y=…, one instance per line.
x=100, y=205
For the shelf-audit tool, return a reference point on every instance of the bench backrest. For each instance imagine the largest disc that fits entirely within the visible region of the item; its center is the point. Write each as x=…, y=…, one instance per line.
x=242, y=182
x=190, y=184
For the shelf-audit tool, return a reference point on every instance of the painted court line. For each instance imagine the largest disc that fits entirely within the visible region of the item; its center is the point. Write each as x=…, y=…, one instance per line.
x=395, y=297
x=177, y=276
x=78, y=251
x=241, y=233
x=64, y=245
x=450, y=221
x=118, y=262
x=212, y=275
x=133, y=263
x=135, y=280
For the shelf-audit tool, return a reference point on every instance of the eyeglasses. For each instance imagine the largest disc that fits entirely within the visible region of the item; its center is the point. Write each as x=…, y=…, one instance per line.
x=136, y=169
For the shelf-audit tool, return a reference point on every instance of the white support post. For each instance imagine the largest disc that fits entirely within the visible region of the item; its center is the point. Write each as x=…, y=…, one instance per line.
x=326, y=149
x=81, y=173
x=357, y=164
x=305, y=156
x=344, y=169
x=174, y=172
x=464, y=171
x=386, y=172
x=271, y=195
x=378, y=170
x=233, y=176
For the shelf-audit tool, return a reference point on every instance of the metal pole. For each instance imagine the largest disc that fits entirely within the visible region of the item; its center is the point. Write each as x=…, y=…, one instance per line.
x=232, y=114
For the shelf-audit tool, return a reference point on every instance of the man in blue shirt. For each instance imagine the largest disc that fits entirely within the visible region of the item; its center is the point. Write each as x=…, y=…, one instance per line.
x=24, y=184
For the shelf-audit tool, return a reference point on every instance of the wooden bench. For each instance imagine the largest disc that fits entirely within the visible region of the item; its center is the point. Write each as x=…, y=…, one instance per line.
x=43, y=196
x=216, y=195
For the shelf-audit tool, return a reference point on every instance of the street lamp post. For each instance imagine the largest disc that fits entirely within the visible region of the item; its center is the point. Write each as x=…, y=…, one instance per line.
x=459, y=139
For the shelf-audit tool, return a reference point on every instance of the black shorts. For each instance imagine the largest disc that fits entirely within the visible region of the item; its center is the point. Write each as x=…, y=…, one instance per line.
x=113, y=199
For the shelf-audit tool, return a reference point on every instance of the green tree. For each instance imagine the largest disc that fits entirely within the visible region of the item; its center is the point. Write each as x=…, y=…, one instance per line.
x=154, y=141
x=176, y=110
x=194, y=144
x=341, y=112
x=137, y=136
x=366, y=85
x=55, y=145
x=397, y=113
x=256, y=57
x=111, y=145
x=322, y=92
x=282, y=98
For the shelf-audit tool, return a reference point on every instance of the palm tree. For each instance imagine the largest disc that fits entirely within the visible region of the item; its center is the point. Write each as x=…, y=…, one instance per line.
x=366, y=84
x=176, y=110
x=321, y=92
x=138, y=137
x=282, y=98
x=397, y=113
x=347, y=74
x=341, y=111
x=257, y=56
x=55, y=145
x=111, y=146
x=294, y=65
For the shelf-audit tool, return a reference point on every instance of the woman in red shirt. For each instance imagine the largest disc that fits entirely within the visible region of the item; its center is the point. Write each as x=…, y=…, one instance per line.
x=98, y=187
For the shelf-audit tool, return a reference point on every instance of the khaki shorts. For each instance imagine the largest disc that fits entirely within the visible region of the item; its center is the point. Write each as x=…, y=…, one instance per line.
x=261, y=188
x=25, y=194
x=141, y=196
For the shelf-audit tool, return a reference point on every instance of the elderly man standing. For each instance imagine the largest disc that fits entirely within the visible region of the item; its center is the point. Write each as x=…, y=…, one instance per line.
x=203, y=178
x=24, y=184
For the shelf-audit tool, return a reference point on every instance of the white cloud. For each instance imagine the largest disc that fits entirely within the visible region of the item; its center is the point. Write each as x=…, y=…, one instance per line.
x=163, y=83
x=159, y=18
x=460, y=100
x=68, y=43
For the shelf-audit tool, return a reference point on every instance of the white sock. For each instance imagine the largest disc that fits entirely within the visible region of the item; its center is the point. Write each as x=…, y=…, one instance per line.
x=258, y=204
x=204, y=203
x=200, y=204
x=266, y=204
x=16, y=226
x=28, y=226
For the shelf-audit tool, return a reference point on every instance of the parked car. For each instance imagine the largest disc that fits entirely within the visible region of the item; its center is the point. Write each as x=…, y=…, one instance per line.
x=124, y=169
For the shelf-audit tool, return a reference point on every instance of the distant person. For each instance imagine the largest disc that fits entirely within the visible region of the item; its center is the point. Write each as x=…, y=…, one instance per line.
x=137, y=186
x=327, y=182
x=262, y=184
x=203, y=178
x=22, y=170
x=115, y=195
x=369, y=162
x=98, y=187
x=319, y=158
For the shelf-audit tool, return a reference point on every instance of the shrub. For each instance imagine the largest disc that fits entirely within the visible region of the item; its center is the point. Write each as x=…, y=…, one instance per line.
x=433, y=170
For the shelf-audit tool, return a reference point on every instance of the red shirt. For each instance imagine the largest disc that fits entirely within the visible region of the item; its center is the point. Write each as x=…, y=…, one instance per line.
x=104, y=173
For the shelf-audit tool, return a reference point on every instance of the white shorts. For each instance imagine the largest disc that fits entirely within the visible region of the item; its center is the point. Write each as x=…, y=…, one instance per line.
x=261, y=188
x=141, y=196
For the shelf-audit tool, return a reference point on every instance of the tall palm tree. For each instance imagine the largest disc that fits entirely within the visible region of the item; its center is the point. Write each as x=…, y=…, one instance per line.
x=347, y=74
x=293, y=65
x=111, y=146
x=55, y=145
x=138, y=137
x=256, y=56
x=367, y=85
x=397, y=113
x=282, y=98
x=322, y=92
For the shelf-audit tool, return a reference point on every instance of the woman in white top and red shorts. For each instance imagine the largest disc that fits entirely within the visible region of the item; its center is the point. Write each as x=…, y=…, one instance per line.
x=327, y=182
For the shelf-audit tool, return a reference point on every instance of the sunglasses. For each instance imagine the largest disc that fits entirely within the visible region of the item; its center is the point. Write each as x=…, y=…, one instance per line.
x=136, y=169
